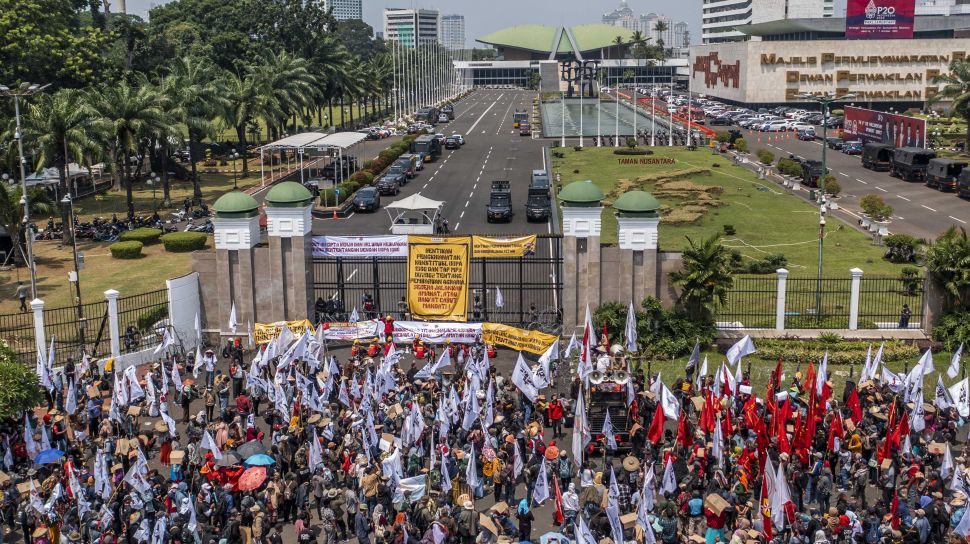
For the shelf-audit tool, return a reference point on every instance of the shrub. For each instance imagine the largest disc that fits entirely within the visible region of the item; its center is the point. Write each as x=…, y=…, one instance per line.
x=327, y=197
x=875, y=207
x=902, y=248
x=837, y=112
x=831, y=185
x=144, y=235
x=951, y=329
x=367, y=164
x=362, y=178
x=348, y=187
x=909, y=277
x=181, y=242
x=660, y=332
x=151, y=316
x=722, y=136
x=768, y=265
x=729, y=230
x=126, y=250
x=840, y=353
x=741, y=145
x=19, y=387
x=631, y=142
x=631, y=151
x=766, y=157
x=789, y=167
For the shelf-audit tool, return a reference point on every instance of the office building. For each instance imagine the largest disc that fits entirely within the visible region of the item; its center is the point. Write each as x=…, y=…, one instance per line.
x=942, y=7
x=623, y=17
x=721, y=17
x=681, y=35
x=344, y=10
x=453, y=32
x=411, y=27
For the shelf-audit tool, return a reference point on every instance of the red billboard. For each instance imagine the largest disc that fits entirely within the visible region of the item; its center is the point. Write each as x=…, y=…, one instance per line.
x=879, y=19
x=871, y=126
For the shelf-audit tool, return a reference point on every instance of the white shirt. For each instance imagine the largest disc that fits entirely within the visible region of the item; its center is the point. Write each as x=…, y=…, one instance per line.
x=210, y=362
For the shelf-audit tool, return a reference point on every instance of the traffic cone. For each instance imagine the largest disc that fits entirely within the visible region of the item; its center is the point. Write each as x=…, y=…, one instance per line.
x=335, y=215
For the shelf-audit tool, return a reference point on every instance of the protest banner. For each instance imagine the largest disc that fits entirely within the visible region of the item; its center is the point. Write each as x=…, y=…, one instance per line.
x=360, y=246
x=438, y=277
x=264, y=332
x=437, y=332
x=489, y=247
x=518, y=339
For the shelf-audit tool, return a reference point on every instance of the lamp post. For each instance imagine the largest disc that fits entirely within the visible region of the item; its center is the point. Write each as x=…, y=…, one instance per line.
x=153, y=180
x=24, y=89
x=68, y=204
x=234, y=156
x=818, y=281
x=824, y=101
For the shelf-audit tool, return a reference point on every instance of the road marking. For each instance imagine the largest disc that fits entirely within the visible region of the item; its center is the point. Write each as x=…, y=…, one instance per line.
x=843, y=174
x=475, y=124
x=960, y=220
x=479, y=178
x=425, y=186
x=881, y=189
x=471, y=194
x=462, y=214
x=862, y=182
x=466, y=203
x=457, y=225
x=904, y=198
x=927, y=207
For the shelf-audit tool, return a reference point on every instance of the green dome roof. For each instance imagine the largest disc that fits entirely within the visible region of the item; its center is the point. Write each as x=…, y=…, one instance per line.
x=581, y=192
x=636, y=202
x=288, y=194
x=236, y=204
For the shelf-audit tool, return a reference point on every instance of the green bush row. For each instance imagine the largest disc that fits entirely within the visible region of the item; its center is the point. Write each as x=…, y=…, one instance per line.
x=840, y=353
x=130, y=249
x=181, y=242
x=144, y=235
x=151, y=316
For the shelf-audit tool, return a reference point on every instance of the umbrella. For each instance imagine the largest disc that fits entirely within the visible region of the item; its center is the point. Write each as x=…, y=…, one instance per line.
x=229, y=458
x=251, y=448
x=260, y=460
x=47, y=457
x=252, y=478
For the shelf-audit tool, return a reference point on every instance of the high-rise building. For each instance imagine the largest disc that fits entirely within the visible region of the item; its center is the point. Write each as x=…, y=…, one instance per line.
x=721, y=16
x=681, y=35
x=344, y=10
x=411, y=27
x=646, y=24
x=453, y=32
x=622, y=16
x=942, y=7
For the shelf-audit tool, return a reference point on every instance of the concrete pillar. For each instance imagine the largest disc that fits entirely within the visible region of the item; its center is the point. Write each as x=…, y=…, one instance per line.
x=569, y=295
x=854, y=299
x=780, y=299
x=40, y=336
x=593, y=288
x=114, y=330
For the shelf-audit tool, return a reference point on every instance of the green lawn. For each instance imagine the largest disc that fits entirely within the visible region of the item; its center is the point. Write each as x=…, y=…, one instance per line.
x=765, y=218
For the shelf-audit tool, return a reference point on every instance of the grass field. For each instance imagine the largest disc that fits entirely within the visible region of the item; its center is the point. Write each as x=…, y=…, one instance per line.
x=766, y=220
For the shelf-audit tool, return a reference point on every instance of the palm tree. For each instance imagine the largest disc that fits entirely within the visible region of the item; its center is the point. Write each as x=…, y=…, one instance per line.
x=12, y=213
x=956, y=87
x=197, y=98
x=704, y=279
x=639, y=41
x=128, y=115
x=247, y=96
x=660, y=27
x=619, y=42
x=288, y=84
x=948, y=260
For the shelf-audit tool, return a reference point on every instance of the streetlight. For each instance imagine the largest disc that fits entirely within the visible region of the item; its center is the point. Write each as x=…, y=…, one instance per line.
x=818, y=282
x=24, y=89
x=153, y=180
x=234, y=156
x=68, y=204
x=824, y=101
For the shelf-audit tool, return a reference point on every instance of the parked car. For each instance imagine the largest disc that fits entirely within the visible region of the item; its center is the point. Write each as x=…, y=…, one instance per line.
x=459, y=138
x=387, y=185
x=443, y=118
x=525, y=129
x=451, y=143
x=852, y=148
x=807, y=135
x=367, y=200
x=397, y=174
x=834, y=143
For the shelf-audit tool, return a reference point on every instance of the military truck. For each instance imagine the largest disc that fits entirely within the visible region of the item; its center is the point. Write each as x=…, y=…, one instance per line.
x=877, y=157
x=499, y=207
x=909, y=163
x=942, y=174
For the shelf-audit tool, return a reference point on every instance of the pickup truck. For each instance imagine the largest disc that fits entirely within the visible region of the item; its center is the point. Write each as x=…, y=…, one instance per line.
x=499, y=207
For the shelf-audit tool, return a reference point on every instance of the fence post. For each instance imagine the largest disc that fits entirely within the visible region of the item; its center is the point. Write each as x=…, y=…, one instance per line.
x=40, y=336
x=854, y=299
x=113, y=330
x=780, y=299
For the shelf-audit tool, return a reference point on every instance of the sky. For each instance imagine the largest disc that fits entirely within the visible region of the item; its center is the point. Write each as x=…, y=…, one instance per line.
x=483, y=17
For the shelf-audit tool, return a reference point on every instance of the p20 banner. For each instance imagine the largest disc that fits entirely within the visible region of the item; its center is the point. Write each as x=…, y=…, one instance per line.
x=871, y=126
x=879, y=19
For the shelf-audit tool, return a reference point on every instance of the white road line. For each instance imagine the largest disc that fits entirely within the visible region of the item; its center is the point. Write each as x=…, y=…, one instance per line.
x=881, y=189
x=862, y=182
x=471, y=194
x=904, y=198
x=425, y=186
x=462, y=214
x=843, y=174
x=475, y=124
x=457, y=225
x=479, y=178
x=960, y=220
x=927, y=207
x=466, y=203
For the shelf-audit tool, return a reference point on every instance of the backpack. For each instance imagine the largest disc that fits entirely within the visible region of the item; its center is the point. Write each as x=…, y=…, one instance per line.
x=565, y=469
x=873, y=534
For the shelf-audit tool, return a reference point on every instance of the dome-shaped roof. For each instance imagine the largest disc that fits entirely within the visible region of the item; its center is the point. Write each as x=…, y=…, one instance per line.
x=581, y=192
x=235, y=204
x=636, y=202
x=288, y=194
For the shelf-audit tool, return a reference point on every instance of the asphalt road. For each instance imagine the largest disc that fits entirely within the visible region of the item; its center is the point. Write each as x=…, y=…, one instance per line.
x=919, y=210
x=462, y=177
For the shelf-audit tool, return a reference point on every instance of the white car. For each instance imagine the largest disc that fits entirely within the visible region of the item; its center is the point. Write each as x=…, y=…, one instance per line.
x=459, y=138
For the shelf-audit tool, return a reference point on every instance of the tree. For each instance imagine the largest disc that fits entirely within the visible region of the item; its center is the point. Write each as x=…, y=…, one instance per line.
x=12, y=212
x=357, y=37
x=956, y=88
x=704, y=279
x=948, y=261
x=660, y=27
x=19, y=385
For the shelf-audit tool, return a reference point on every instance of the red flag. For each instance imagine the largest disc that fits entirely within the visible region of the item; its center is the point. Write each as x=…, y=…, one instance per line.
x=902, y=429
x=809, y=380
x=559, y=516
x=894, y=510
x=836, y=430
x=886, y=451
x=656, y=431
x=765, y=509
x=776, y=376
x=706, y=421
x=683, y=431
x=606, y=337
x=853, y=404
x=727, y=429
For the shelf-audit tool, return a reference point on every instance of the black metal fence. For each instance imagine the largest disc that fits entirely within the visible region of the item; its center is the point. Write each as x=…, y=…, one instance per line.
x=142, y=320
x=17, y=330
x=811, y=303
x=74, y=329
x=531, y=286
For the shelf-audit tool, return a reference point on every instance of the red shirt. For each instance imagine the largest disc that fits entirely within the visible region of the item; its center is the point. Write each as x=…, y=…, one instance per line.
x=243, y=404
x=713, y=521
x=555, y=410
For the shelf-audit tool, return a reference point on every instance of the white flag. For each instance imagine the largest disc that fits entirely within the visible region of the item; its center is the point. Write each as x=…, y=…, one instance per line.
x=581, y=433
x=892, y=380
x=960, y=393
x=583, y=534
x=158, y=534
x=177, y=377
x=232, y=318
x=608, y=432
x=169, y=422
x=45, y=377
x=573, y=344
x=71, y=404
x=589, y=344
x=489, y=416
x=701, y=374
x=471, y=471
x=523, y=379
x=354, y=316
x=946, y=468
x=917, y=418
x=669, y=483
x=541, y=491
x=942, y=399
x=649, y=488
x=7, y=454
x=866, y=373
x=955, y=363
x=822, y=375
x=445, y=477
x=542, y=374
x=249, y=334
x=210, y=444
x=631, y=329
x=29, y=442
x=743, y=347
x=719, y=443
x=671, y=406
x=164, y=344
x=926, y=362
x=499, y=299
x=963, y=528
x=517, y=464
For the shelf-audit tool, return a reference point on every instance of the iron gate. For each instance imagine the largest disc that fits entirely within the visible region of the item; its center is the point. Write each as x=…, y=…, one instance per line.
x=531, y=286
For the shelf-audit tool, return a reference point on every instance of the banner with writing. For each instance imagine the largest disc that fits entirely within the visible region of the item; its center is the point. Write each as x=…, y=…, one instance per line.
x=361, y=330
x=437, y=332
x=438, y=277
x=264, y=332
x=360, y=246
x=518, y=339
x=520, y=246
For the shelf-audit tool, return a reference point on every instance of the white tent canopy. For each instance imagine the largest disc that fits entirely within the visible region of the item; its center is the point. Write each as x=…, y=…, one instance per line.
x=52, y=175
x=414, y=214
x=319, y=143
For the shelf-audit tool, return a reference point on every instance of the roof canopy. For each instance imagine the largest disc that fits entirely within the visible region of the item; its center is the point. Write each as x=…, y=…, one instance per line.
x=53, y=175
x=549, y=39
x=415, y=202
x=318, y=140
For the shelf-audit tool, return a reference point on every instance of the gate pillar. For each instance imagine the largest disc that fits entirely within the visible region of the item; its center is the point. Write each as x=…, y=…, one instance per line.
x=288, y=224
x=581, y=227
x=236, y=233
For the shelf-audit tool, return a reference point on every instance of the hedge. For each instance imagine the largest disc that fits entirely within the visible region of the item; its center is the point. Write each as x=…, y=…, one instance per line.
x=152, y=316
x=327, y=197
x=362, y=177
x=840, y=353
x=628, y=151
x=126, y=250
x=144, y=235
x=181, y=242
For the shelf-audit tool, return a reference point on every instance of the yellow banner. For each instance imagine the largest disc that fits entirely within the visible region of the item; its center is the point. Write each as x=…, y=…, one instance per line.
x=518, y=339
x=438, y=277
x=264, y=332
x=504, y=247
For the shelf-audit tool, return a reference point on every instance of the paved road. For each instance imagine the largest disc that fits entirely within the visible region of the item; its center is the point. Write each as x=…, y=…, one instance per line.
x=919, y=210
x=462, y=177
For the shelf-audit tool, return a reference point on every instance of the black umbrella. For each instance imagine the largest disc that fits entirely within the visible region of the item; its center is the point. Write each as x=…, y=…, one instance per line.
x=251, y=448
x=229, y=458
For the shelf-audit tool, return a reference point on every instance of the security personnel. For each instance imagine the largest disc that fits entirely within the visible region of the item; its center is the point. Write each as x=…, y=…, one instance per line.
x=355, y=350
x=420, y=352
x=374, y=348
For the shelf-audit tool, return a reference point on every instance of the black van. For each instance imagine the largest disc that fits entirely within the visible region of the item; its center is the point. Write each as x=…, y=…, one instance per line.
x=909, y=163
x=877, y=156
x=942, y=174
x=963, y=184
